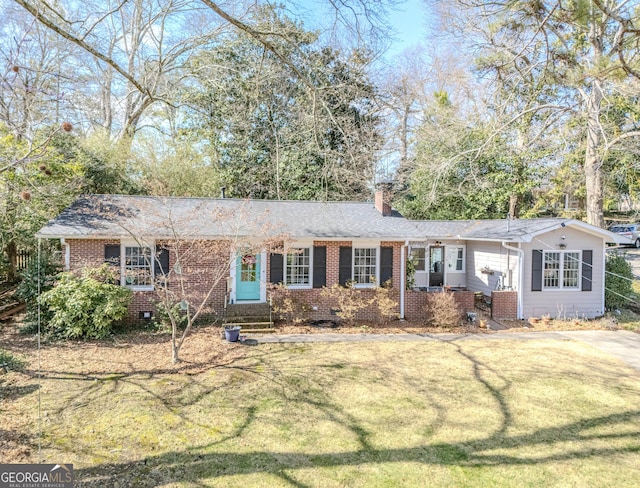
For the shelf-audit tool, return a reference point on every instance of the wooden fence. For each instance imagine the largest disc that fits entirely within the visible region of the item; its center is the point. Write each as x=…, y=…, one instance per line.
x=24, y=259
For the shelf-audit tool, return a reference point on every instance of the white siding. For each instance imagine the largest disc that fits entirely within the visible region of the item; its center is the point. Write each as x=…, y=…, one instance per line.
x=494, y=257
x=569, y=303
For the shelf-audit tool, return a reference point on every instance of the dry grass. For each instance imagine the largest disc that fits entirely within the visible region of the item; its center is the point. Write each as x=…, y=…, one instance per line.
x=627, y=320
x=469, y=413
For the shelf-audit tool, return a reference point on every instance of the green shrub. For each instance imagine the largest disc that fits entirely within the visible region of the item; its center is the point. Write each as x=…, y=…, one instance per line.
x=85, y=306
x=618, y=282
x=162, y=320
x=34, y=275
x=9, y=361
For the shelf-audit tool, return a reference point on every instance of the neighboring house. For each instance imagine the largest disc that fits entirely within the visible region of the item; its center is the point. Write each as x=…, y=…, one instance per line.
x=530, y=267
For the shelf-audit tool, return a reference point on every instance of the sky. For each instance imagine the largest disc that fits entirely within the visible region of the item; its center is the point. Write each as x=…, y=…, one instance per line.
x=409, y=20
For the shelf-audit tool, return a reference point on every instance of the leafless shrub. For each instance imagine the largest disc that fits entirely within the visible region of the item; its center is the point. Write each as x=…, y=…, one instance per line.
x=441, y=310
x=347, y=299
x=288, y=305
x=386, y=301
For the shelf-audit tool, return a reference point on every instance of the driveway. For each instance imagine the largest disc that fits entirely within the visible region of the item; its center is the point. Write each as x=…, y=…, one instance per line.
x=633, y=257
x=623, y=344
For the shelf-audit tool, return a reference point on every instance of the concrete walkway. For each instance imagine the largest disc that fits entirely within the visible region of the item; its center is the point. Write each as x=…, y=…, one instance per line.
x=623, y=344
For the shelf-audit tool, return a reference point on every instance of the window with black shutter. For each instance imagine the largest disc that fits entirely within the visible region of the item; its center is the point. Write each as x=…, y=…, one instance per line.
x=276, y=268
x=161, y=266
x=344, y=265
x=319, y=266
x=536, y=270
x=112, y=254
x=112, y=258
x=386, y=265
x=587, y=270
x=161, y=262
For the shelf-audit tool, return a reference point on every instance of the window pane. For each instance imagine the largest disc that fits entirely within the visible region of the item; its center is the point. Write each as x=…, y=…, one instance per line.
x=248, y=268
x=298, y=264
x=418, y=258
x=460, y=259
x=137, y=266
x=551, y=270
x=571, y=270
x=364, y=265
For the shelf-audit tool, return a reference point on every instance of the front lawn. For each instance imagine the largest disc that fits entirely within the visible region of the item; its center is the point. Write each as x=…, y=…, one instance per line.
x=500, y=413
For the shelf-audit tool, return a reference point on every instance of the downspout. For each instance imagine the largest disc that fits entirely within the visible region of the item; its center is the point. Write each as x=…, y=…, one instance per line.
x=67, y=254
x=403, y=277
x=520, y=274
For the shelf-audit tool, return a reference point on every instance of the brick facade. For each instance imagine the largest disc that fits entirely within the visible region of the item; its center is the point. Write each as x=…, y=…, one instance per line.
x=416, y=301
x=504, y=304
x=322, y=308
x=201, y=265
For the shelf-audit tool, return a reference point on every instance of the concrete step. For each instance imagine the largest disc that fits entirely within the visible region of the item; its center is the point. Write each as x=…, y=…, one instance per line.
x=244, y=319
x=248, y=310
x=251, y=325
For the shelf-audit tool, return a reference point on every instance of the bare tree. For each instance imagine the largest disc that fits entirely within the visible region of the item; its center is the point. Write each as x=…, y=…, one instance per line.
x=193, y=264
x=144, y=43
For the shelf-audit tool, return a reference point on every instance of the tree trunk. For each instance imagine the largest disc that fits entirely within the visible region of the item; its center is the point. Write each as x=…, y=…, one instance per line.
x=592, y=162
x=175, y=349
x=514, y=206
x=11, y=252
x=175, y=346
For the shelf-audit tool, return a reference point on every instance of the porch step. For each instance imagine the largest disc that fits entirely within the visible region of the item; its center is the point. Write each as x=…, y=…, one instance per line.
x=247, y=319
x=252, y=317
x=257, y=331
x=248, y=310
x=250, y=325
x=253, y=327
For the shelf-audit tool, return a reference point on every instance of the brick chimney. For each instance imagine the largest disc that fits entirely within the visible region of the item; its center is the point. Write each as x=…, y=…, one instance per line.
x=383, y=199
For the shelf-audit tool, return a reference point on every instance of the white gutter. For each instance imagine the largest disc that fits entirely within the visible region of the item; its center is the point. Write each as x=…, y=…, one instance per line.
x=67, y=254
x=520, y=275
x=403, y=276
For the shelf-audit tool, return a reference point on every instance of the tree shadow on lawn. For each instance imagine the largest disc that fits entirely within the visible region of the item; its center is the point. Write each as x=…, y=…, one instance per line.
x=195, y=464
x=300, y=387
x=193, y=467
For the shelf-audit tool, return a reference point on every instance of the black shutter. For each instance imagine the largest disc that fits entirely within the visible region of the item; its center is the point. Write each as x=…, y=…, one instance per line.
x=112, y=254
x=386, y=264
x=161, y=262
x=112, y=258
x=345, y=265
x=319, y=266
x=587, y=270
x=276, y=268
x=536, y=270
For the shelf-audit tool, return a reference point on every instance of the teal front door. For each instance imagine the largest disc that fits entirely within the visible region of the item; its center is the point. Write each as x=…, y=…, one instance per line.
x=248, y=277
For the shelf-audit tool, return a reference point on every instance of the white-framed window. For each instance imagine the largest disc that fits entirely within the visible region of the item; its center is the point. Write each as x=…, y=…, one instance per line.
x=365, y=265
x=137, y=266
x=298, y=267
x=418, y=257
x=561, y=270
x=456, y=259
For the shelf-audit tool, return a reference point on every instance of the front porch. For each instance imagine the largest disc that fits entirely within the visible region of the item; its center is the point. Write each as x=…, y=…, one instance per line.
x=500, y=304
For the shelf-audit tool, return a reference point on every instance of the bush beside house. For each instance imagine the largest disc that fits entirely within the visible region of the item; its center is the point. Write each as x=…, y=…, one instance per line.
x=85, y=306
